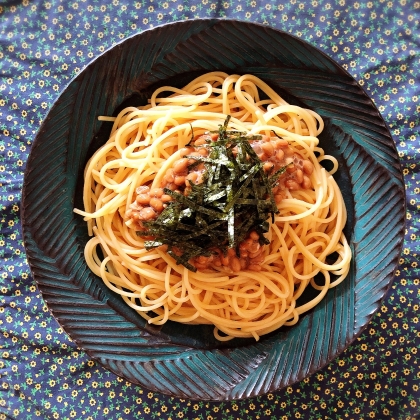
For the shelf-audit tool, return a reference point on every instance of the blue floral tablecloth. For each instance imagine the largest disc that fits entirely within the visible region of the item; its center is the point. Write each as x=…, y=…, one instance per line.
x=43, y=44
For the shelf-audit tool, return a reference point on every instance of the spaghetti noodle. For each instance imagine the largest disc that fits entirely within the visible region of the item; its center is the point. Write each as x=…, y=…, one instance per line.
x=159, y=153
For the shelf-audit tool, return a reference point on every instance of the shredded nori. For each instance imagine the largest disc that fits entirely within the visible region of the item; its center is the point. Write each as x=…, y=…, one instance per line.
x=234, y=198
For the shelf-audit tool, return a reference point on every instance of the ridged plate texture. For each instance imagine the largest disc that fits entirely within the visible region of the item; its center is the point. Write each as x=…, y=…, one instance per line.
x=186, y=361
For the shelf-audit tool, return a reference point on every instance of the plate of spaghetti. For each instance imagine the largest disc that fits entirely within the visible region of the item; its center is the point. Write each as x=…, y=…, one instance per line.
x=219, y=221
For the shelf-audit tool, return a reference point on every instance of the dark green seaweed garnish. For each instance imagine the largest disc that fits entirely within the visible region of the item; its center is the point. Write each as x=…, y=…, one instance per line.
x=234, y=198
x=192, y=137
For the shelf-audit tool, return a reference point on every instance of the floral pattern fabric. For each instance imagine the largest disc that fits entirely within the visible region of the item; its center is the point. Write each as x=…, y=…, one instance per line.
x=43, y=44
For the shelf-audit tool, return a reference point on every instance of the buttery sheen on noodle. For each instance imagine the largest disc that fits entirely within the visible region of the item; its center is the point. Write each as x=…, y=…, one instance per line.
x=255, y=292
